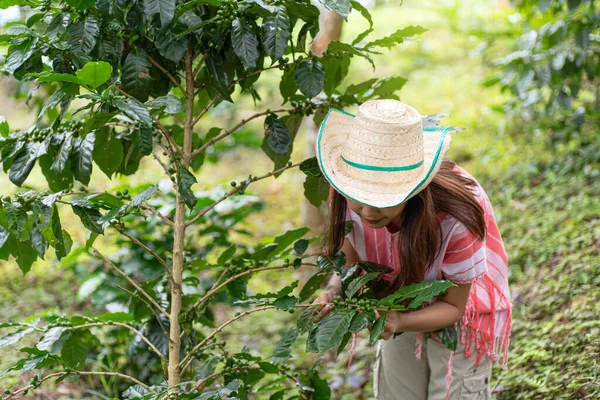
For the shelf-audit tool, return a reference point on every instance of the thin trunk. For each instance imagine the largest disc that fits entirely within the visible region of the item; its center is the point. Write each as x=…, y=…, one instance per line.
x=179, y=234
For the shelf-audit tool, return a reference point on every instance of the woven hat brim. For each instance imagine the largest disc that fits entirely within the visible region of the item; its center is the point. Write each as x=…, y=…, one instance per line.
x=333, y=133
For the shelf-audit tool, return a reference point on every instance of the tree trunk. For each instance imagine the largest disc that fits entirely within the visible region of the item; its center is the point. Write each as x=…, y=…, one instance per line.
x=179, y=234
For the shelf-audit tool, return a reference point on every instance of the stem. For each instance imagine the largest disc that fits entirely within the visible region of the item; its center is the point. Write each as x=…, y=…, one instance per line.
x=131, y=328
x=157, y=213
x=235, y=128
x=233, y=278
x=188, y=358
x=82, y=373
x=234, y=191
x=146, y=248
x=174, y=368
x=232, y=84
x=131, y=281
x=167, y=73
x=148, y=305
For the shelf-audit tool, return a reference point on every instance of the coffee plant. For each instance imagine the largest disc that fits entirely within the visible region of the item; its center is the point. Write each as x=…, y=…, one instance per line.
x=552, y=73
x=118, y=81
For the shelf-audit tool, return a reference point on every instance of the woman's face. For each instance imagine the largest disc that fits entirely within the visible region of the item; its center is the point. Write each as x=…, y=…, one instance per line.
x=376, y=217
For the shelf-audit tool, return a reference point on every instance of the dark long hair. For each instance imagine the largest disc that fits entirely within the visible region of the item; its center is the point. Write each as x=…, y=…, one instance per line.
x=420, y=231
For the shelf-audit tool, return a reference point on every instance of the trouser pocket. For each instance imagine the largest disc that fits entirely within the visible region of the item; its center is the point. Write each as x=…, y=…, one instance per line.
x=476, y=386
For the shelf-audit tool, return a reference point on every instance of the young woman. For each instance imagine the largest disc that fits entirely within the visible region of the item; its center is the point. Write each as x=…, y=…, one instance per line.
x=425, y=218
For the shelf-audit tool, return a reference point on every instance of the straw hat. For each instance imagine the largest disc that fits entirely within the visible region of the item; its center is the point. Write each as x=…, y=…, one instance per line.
x=382, y=156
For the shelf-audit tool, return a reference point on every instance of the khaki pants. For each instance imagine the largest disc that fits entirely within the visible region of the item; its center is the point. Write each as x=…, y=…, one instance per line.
x=400, y=376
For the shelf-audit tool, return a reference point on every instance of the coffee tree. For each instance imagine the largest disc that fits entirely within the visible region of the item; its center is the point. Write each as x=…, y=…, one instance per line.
x=121, y=80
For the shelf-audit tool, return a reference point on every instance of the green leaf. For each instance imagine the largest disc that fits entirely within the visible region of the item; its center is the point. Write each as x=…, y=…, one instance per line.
x=62, y=242
x=82, y=168
x=89, y=286
x=142, y=139
x=73, y=352
x=135, y=77
x=57, y=26
x=14, y=337
x=355, y=285
x=361, y=321
x=287, y=86
x=388, y=86
x=300, y=246
x=23, y=163
x=313, y=284
x=171, y=44
x=245, y=43
x=420, y=293
x=276, y=33
x=285, y=240
x=50, y=337
x=285, y=303
x=316, y=190
x=341, y=7
x=170, y=103
x=378, y=328
x=283, y=348
x=49, y=76
x=110, y=49
x=186, y=180
x=220, y=75
x=134, y=110
x=94, y=74
x=396, y=37
x=331, y=329
x=90, y=218
x=310, y=167
x=337, y=47
x=63, y=154
x=103, y=200
x=19, y=54
x=165, y=9
x=38, y=241
x=108, y=151
x=310, y=77
x=3, y=235
x=145, y=195
x=83, y=36
x=277, y=136
x=227, y=254
x=208, y=368
x=449, y=337
x=25, y=255
x=4, y=128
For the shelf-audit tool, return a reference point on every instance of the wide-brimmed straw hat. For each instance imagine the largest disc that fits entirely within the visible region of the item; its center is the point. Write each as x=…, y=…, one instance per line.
x=382, y=156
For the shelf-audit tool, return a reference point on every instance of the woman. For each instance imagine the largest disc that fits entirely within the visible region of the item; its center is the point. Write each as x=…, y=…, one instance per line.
x=427, y=219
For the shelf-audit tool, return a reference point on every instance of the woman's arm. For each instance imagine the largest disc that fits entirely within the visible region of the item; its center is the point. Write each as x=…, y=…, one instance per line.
x=441, y=314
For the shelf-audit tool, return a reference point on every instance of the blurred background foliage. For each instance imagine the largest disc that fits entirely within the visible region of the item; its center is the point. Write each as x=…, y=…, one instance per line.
x=522, y=78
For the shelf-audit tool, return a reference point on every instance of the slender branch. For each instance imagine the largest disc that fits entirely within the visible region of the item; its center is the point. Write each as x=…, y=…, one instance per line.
x=131, y=281
x=147, y=304
x=188, y=358
x=157, y=213
x=121, y=324
x=179, y=121
x=238, y=126
x=82, y=373
x=146, y=248
x=162, y=164
x=215, y=289
x=236, y=190
x=167, y=73
x=232, y=84
x=160, y=126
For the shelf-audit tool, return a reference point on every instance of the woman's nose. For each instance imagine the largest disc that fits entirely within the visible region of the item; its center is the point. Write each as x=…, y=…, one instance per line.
x=370, y=213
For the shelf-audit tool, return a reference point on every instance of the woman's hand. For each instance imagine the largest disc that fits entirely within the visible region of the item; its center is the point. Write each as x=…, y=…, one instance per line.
x=324, y=301
x=393, y=324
